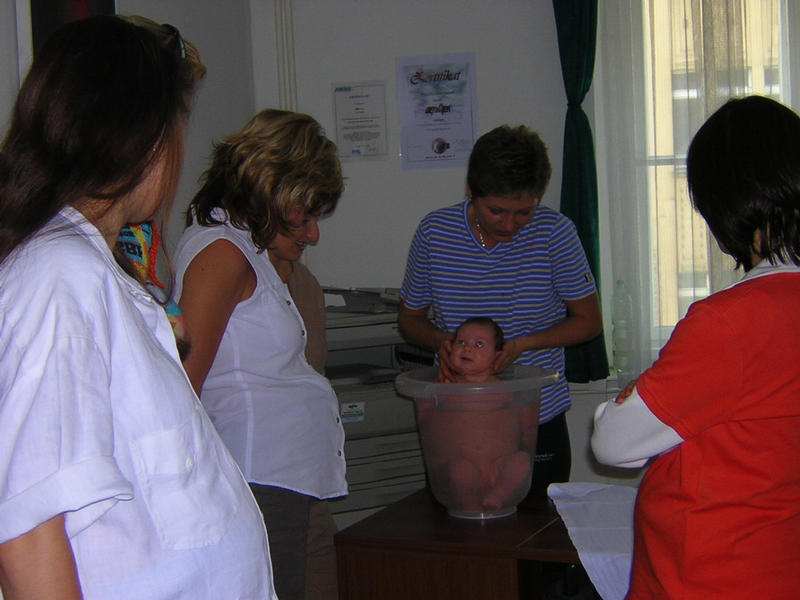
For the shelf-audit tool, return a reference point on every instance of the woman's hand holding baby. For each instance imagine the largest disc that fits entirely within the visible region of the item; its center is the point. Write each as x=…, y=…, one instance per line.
x=511, y=351
x=447, y=372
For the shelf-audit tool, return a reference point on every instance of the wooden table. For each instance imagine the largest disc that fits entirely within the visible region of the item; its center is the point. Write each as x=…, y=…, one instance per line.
x=413, y=549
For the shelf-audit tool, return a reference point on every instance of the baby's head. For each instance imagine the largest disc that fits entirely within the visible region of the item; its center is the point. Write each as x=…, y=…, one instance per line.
x=477, y=343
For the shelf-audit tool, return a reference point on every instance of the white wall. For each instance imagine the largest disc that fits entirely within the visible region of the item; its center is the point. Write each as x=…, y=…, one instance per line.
x=518, y=81
x=365, y=242
x=224, y=102
x=9, y=60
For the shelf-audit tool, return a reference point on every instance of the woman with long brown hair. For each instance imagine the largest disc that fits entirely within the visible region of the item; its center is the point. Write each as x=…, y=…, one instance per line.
x=113, y=481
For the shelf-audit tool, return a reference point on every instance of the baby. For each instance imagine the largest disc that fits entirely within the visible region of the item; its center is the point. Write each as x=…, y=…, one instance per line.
x=474, y=442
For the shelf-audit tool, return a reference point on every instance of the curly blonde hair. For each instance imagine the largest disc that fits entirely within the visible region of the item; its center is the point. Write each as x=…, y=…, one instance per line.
x=278, y=161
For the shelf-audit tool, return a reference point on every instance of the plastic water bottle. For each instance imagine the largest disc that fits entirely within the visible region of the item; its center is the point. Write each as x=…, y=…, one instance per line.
x=621, y=334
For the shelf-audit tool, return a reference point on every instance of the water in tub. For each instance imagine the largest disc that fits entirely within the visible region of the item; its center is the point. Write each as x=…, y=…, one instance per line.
x=476, y=449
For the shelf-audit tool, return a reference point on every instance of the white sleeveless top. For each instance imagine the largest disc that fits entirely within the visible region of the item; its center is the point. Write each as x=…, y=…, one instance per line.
x=278, y=416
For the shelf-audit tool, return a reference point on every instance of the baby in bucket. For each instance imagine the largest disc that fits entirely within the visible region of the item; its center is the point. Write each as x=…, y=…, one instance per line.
x=476, y=444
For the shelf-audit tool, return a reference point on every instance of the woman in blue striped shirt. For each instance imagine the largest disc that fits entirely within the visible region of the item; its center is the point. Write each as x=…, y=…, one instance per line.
x=500, y=254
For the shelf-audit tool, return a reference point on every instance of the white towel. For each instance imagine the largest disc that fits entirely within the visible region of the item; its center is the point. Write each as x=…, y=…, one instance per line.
x=599, y=519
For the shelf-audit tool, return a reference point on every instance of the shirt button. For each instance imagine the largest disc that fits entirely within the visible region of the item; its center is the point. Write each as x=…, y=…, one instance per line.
x=288, y=303
x=339, y=453
x=337, y=419
x=303, y=332
x=189, y=464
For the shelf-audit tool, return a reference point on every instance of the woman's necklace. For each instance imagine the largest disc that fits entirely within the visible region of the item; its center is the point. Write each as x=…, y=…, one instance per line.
x=481, y=239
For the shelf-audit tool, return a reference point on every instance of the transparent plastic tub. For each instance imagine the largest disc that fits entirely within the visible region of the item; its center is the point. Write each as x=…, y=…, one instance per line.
x=478, y=439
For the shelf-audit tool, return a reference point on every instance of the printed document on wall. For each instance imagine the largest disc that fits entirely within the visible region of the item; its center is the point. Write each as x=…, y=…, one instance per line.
x=438, y=109
x=360, y=110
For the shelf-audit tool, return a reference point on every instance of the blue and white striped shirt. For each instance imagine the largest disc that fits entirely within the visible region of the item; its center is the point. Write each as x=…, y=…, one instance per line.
x=521, y=284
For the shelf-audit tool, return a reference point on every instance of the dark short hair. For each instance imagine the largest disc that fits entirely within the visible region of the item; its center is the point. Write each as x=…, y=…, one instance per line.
x=104, y=99
x=280, y=159
x=743, y=169
x=499, y=338
x=508, y=161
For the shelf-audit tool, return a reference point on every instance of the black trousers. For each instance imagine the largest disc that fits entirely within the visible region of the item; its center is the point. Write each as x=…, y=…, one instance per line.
x=553, y=460
x=286, y=517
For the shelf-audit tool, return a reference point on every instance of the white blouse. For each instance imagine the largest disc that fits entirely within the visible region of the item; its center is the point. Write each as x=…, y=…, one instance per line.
x=98, y=421
x=278, y=416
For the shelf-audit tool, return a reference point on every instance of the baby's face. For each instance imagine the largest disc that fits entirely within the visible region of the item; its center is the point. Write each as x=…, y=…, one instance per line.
x=473, y=350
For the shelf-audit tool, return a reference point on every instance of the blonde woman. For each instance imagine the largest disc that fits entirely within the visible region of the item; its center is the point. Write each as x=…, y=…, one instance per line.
x=247, y=227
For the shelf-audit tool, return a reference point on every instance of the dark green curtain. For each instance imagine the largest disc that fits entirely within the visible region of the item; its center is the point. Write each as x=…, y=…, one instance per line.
x=576, y=22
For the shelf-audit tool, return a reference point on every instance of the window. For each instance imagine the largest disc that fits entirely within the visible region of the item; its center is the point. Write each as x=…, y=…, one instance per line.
x=663, y=67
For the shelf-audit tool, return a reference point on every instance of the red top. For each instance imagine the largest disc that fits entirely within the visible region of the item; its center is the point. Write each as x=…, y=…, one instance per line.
x=719, y=516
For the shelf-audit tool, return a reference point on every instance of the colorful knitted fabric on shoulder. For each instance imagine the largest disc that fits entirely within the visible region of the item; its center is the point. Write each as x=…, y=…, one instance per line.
x=140, y=244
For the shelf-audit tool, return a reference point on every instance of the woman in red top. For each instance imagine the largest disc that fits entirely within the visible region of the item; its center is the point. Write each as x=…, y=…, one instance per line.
x=718, y=512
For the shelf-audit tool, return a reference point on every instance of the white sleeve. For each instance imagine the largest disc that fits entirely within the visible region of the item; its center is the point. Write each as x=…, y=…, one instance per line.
x=629, y=434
